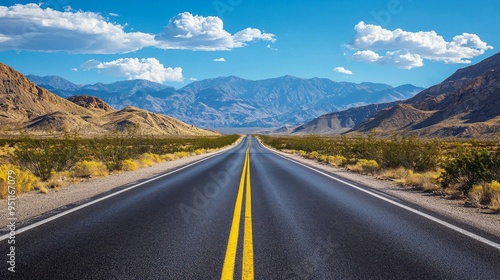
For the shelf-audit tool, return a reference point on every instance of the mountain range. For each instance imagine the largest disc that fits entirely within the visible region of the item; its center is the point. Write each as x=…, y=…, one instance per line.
x=25, y=106
x=236, y=102
x=467, y=104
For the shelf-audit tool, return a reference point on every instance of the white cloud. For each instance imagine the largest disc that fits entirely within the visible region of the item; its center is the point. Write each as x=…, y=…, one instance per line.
x=193, y=79
x=29, y=27
x=134, y=68
x=271, y=48
x=74, y=69
x=342, y=70
x=194, y=32
x=366, y=56
x=409, y=49
x=220, y=59
x=33, y=28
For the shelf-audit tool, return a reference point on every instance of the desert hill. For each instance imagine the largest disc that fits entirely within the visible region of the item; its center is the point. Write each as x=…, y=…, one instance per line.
x=27, y=107
x=342, y=121
x=467, y=104
x=90, y=102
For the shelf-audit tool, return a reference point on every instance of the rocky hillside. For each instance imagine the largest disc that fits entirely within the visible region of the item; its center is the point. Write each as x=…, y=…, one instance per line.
x=467, y=104
x=90, y=102
x=26, y=106
x=340, y=122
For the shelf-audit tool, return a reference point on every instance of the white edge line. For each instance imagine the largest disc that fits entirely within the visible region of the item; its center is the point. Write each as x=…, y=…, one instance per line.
x=44, y=221
x=432, y=218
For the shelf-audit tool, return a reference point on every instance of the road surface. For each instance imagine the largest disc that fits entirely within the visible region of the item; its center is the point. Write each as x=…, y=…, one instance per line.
x=250, y=214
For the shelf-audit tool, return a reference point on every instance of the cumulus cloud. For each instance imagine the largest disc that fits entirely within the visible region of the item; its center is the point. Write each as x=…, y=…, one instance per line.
x=220, y=59
x=342, y=70
x=194, y=32
x=33, y=28
x=375, y=44
x=134, y=68
x=29, y=27
x=74, y=69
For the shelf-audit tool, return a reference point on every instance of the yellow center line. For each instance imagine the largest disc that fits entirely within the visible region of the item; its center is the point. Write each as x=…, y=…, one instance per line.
x=247, y=235
x=232, y=244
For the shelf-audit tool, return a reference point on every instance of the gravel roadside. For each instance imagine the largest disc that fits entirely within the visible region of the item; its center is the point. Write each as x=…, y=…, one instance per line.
x=454, y=209
x=33, y=204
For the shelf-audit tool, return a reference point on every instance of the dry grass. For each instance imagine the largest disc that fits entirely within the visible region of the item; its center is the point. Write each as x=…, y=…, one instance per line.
x=89, y=169
x=364, y=166
x=337, y=161
x=181, y=154
x=57, y=180
x=427, y=181
x=25, y=181
x=149, y=159
x=487, y=195
x=200, y=151
x=129, y=165
x=495, y=202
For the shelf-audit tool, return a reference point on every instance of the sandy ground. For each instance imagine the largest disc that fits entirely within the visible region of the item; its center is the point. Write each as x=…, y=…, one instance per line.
x=31, y=205
x=478, y=218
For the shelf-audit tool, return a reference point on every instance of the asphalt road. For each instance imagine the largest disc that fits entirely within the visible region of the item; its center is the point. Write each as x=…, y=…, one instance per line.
x=201, y=222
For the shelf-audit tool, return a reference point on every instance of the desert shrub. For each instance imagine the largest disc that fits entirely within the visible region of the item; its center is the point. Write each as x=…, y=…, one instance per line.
x=57, y=180
x=323, y=158
x=200, y=151
x=495, y=201
x=469, y=168
x=365, y=166
x=396, y=173
x=181, y=154
x=128, y=165
x=410, y=153
x=313, y=155
x=149, y=159
x=337, y=160
x=168, y=157
x=116, y=147
x=25, y=181
x=89, y=169
x=43, y=156
x=424, y=181
x=485, y=194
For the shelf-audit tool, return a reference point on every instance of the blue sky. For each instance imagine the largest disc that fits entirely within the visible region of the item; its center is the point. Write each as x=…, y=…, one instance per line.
x=176, y=42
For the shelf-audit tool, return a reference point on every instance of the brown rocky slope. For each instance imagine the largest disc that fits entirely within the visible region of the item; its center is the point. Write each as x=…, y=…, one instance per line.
x=467, y=104
x=25, y=106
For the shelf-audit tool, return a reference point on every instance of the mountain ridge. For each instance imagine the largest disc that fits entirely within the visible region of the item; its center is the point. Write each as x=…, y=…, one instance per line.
x=26, y=106
x=236, y=102
x=467, y=104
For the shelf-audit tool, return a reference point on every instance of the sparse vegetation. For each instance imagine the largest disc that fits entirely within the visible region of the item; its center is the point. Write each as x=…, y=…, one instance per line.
x=470, y=167
x=25, y=180
x=89, y=169
x=45, y=163
x=434, y=165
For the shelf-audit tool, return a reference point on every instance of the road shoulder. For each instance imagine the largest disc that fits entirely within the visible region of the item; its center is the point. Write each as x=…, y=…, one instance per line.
x=32, y=205
x=453, y=209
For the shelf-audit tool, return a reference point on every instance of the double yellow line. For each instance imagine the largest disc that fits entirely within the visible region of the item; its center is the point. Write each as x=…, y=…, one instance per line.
x=232, y=245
